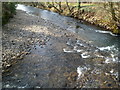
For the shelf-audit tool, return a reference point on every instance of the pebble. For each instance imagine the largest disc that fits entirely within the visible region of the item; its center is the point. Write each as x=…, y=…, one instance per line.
x=8, y=65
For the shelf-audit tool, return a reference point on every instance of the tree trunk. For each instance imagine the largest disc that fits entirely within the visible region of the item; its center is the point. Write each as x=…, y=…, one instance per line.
x=79, y=5
x=68, y=6
x=112, y=11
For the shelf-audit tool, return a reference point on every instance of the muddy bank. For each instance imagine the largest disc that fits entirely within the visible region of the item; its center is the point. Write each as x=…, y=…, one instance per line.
x=39, y=54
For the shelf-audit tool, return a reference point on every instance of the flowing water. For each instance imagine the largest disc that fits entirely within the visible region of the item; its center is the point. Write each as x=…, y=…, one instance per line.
x=88, y=32
x=104, y=41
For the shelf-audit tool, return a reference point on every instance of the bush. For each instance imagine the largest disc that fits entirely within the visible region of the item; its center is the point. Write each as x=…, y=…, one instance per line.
x=8, y=10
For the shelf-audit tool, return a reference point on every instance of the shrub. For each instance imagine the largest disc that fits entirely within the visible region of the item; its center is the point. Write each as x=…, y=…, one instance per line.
x=8, y=10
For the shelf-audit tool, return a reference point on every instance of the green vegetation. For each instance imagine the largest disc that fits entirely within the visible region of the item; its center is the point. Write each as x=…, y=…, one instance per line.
x=8, y=10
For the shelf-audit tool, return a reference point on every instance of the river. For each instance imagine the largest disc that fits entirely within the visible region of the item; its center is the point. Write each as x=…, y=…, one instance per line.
x=94, y=58
x=90, y=33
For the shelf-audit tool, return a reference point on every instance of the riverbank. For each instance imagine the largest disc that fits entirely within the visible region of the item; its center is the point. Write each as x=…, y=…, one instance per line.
x=36, y=50
x=98, y=14
x=8, y=11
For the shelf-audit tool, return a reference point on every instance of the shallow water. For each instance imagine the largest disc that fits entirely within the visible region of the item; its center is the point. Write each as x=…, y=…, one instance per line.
x=96, y=35
x=103, y=41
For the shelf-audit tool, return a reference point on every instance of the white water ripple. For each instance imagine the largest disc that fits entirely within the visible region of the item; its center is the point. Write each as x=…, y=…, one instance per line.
x=106, y=32
x=81, y=71
x=113, y=58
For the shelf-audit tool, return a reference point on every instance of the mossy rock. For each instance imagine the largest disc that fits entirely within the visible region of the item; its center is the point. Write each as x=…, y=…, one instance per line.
x=116, y=31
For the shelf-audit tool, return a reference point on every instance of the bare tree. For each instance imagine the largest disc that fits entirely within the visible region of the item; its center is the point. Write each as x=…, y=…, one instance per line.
x=68, y=6
x=79, y=5
x=112, y=11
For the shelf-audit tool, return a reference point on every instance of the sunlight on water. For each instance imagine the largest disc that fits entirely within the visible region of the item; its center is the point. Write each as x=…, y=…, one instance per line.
x=85, y=55
x=106, y=32
x=81, y=71
x=107, y=48
x=104, y=41
x=67, y=51
x=113, y=58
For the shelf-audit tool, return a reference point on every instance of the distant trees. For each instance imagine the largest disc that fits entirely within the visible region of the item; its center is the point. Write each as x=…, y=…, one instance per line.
x=115, y=16
x=57, y=6
x=68, y=6
x=105, y=14
x=112, y=11
x=8, y=10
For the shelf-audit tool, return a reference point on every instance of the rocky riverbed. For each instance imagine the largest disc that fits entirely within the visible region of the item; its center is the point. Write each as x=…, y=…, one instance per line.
x=39, y=54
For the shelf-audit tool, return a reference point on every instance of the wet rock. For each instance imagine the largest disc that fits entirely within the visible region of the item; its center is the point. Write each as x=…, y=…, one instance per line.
x=18, y=54
x=25, y=53
x=98, y=60
x=77, y=26
x=72, y=76
x=103, y=53
x=14, y=57
x=8, y=65
x=109, y=85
